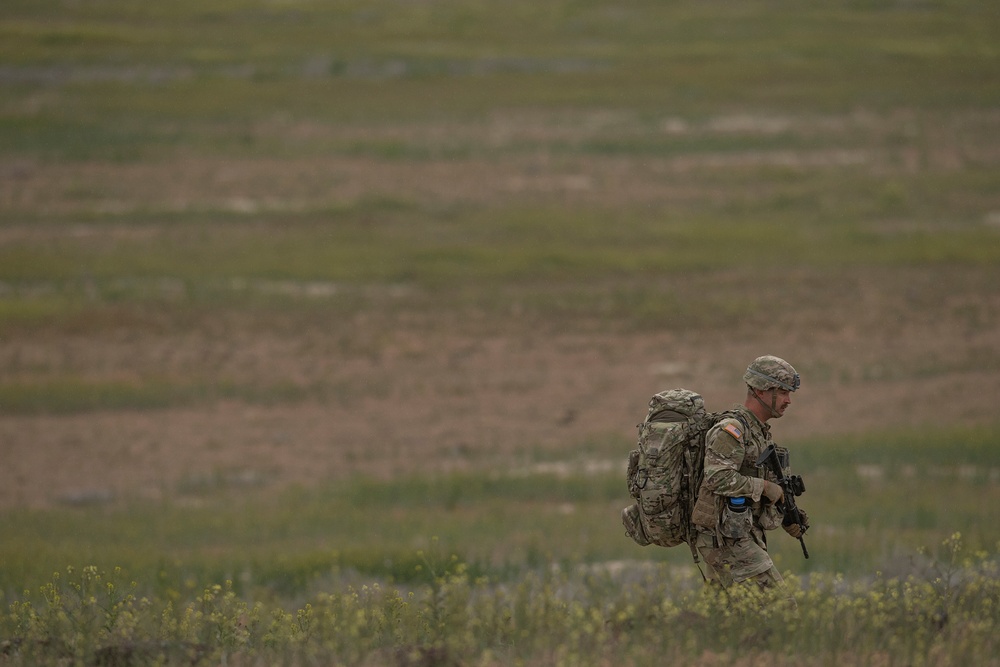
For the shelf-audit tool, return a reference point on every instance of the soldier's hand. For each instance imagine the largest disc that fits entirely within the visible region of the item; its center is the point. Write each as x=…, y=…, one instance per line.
x=793, y=529
x=773, y=491
x=796, y=530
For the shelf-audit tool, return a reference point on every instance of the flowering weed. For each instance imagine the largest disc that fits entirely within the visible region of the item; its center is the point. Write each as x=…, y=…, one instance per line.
x=946, y=615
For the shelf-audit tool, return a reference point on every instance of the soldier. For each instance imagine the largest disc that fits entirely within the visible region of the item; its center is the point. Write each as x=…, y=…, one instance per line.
x=736, y=502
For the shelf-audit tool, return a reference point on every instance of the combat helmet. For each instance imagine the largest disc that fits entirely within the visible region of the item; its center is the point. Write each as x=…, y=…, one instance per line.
x=770, y=372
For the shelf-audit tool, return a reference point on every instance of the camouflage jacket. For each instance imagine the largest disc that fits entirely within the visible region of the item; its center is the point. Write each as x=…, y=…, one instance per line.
x=732, y=448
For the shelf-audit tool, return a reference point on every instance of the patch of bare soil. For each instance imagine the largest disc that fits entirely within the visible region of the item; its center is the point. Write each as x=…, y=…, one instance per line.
x=874, y=356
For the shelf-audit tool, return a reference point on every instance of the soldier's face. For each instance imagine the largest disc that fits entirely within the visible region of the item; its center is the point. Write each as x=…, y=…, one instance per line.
x=783, y=398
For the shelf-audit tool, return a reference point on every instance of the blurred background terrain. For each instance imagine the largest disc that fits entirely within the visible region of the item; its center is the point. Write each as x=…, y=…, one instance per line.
x=253, y=248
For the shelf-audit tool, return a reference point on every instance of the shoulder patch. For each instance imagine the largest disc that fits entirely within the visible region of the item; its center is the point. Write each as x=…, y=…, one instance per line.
x=733, y=430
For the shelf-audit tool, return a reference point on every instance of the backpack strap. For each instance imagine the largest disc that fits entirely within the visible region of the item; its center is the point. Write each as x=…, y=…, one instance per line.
x=668, y=416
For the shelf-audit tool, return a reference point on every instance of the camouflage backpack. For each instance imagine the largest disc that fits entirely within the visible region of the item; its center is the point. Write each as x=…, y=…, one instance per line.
x=666, y=468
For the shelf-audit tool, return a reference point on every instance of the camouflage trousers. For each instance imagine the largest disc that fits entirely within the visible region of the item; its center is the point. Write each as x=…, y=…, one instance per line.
x=743, y=560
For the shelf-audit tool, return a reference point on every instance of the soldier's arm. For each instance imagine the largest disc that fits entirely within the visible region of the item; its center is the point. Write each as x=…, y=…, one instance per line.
x=724, y=453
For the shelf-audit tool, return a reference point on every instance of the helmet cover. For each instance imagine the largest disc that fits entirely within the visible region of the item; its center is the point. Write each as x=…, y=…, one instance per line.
x=770, y=372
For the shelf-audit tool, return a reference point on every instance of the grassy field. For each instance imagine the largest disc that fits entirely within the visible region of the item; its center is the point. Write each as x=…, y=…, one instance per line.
x=873, y=511
x=320, y=311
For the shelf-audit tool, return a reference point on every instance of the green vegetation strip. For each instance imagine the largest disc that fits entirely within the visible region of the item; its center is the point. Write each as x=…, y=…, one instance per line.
x=867, y=498
x=457, y=57
x=75, y=395
x=500, y=246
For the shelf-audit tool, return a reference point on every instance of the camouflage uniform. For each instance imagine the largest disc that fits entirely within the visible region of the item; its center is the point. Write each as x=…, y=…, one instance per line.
x=733, y=544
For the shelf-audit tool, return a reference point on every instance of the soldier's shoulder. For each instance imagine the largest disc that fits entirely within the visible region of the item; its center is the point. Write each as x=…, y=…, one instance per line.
x=729, y=425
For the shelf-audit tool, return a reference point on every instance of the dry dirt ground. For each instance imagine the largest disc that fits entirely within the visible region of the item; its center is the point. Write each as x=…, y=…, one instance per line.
x=429, y=400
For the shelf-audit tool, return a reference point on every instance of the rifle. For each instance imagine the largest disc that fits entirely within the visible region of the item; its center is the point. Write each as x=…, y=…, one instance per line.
x=791, y=485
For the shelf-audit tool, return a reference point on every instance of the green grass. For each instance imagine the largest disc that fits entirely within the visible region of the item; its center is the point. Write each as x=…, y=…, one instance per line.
x=73, y=394
x=907, y=93
x=505, y=566
x=123, y=83
x=480, y=247
x=873, y=503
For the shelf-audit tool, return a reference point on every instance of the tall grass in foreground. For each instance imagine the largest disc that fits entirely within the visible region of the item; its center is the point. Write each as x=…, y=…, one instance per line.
x=588, y=616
